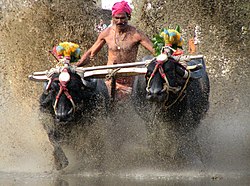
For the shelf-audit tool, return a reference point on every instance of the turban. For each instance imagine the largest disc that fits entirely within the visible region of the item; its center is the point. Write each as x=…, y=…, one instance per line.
x=121, y=7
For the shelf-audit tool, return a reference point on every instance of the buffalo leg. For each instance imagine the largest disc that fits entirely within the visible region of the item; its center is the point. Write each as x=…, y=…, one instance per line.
x=60, y=158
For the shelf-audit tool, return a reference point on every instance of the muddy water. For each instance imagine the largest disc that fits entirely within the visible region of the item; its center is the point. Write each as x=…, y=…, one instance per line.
x=107, y=153
x=118, y=154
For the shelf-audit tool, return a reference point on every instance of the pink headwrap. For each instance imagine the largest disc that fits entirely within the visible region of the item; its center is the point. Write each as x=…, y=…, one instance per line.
x=121, y=7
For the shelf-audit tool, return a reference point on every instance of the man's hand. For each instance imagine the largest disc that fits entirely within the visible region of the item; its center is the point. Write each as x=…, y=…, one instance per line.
x=82, y=62
x=78, y=63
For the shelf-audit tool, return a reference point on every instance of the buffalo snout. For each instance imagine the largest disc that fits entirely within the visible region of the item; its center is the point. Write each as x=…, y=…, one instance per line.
x=157, y=96
x=63, y=117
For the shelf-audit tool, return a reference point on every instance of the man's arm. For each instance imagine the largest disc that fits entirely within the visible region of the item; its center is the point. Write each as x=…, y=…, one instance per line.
x=97, y=47
x=86, y=58
x=146, y=43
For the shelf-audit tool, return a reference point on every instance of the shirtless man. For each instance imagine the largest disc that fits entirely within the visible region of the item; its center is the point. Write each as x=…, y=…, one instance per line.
x=123, y=41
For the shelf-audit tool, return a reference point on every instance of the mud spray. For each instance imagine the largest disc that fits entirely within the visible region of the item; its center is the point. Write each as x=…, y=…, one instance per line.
x=220, y=147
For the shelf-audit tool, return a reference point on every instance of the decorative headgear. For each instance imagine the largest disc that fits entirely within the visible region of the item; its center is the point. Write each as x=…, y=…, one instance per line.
x=121, y=7
x=68, y=50
x=168, y=37
x=172, y=38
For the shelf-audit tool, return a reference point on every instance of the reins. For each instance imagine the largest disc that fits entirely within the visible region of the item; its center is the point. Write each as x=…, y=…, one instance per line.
x=167, y=87
x=180, y=94
x=63, y=89
x=158, y=66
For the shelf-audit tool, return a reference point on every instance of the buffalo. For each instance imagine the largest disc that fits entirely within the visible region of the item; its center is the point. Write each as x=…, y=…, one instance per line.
x=69, y=97
x=172, y=97
x=70, y=100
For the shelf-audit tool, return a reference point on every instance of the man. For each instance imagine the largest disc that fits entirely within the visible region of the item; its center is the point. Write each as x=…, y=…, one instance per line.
x=123, y=41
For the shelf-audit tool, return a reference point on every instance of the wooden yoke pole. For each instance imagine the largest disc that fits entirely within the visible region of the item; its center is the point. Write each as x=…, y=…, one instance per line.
x=125, y=69
x=124, y=65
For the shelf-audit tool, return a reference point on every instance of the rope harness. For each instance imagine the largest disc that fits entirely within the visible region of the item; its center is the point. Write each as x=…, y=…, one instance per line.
x=166, y=86
x=180, y=93
x=111, y=76
x=159, y=67
x=63, y=89
x=112, y=73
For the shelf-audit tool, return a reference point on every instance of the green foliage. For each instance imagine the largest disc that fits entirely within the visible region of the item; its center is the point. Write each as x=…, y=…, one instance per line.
x=178, y=28
x=158, y=43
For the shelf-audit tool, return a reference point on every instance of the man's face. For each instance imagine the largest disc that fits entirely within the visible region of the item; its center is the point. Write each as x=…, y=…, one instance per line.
x=120, y=20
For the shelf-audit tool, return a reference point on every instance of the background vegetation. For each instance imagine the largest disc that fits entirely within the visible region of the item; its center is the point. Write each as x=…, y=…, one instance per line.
x=30, y=28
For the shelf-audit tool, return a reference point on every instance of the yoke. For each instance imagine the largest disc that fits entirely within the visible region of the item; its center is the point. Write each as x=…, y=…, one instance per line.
x=121, y=70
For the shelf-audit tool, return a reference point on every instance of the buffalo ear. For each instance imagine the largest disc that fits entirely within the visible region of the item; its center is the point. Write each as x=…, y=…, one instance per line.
x=45, y=99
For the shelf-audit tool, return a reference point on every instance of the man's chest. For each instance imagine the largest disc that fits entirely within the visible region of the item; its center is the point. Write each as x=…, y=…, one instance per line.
x=125, y=41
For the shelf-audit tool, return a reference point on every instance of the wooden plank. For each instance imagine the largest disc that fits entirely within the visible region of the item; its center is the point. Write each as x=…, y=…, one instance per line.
x=38, y=78
x=102, y=71
x=102, y=67
x=123, y=65
x=123, y=72
x=40, y=73
x=119, y=73
x=195, y=56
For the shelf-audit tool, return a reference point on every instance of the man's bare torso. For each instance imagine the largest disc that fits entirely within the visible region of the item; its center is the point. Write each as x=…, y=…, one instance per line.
x=122, y=47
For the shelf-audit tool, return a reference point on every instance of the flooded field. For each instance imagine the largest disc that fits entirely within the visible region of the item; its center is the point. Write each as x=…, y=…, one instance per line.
x=136, y=178
x=124, y=157
x=118, y=153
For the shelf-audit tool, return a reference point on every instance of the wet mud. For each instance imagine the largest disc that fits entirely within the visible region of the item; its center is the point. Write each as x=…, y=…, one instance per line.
x=116, y=151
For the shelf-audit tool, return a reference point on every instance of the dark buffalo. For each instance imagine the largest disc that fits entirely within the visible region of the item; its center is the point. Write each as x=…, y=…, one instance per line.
x=71, y=100
x=166, y=86
x=171, y=95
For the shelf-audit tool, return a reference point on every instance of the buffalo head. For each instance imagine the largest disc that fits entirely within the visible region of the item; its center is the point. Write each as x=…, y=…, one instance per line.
x=68, y=96
x=164, y=76
x=63, y=94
